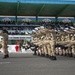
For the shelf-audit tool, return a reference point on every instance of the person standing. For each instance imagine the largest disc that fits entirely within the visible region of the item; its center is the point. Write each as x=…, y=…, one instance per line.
x=20, y=45
x=4, y=34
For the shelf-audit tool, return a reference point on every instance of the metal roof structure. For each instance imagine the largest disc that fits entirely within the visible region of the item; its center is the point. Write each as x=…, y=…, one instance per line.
x=55, y=8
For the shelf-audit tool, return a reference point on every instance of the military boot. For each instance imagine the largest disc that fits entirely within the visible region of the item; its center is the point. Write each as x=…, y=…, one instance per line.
x=53, y=58
x=6, y=56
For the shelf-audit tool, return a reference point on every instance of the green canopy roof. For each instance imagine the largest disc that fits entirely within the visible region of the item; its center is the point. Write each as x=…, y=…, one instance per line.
x=39, y=9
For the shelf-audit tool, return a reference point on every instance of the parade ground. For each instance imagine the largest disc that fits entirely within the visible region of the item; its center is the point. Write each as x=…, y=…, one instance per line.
x=29, y=64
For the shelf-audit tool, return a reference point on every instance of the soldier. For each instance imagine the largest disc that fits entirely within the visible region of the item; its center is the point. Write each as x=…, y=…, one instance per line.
x=4, y=34
x=73, y=50
x=20, y=45
x=46, y=43
x=52, y=43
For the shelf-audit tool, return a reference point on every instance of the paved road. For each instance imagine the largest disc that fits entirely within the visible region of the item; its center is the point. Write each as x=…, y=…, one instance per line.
x=28, y=64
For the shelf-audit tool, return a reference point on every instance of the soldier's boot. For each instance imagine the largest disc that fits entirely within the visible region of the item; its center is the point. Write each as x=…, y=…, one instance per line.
x=53, y=58
x=70, y=54
x=6, y=56
x=73, y=55
x=46, y=55
x=50, y=56
x=43, y=53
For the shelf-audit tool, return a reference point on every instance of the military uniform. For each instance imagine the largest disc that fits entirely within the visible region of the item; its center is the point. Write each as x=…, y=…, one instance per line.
x=20, y=45
x=46, y=43
x=4, y=43
x=73, y=50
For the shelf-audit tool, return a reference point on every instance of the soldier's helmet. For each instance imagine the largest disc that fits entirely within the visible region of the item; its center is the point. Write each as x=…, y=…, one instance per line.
x=4, y=30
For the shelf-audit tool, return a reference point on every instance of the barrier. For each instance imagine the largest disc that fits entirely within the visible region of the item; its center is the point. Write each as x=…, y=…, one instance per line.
x=15, y=49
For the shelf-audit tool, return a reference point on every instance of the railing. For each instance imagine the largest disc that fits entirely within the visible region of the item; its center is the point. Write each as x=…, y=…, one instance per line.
x=19, y=25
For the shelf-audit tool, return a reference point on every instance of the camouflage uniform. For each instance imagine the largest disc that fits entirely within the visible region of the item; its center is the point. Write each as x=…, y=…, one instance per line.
x=4, y=44
x=20, y=45
x=73, y=50
x=46, y=42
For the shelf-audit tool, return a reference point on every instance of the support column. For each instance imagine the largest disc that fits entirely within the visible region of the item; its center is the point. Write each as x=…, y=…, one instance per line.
x=36, y=18
x=16, y=18
x=74, y=19
x=17, y=9
x=56, y=19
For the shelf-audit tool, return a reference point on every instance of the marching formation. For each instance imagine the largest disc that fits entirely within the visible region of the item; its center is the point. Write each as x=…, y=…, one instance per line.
x=45, y=39
x=66, y=43
x=51, y=43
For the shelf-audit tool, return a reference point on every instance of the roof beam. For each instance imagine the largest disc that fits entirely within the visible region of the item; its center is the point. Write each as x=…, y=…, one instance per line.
x=17, y=8
x=40, y=9
x=60, y=11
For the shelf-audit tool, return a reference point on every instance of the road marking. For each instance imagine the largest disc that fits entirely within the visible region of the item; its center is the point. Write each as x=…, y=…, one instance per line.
x=5, y=62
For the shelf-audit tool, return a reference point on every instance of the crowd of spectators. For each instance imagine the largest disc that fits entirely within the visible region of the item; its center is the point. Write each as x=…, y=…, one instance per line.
x=15, y=30
x=61, y=25
x=18, y=30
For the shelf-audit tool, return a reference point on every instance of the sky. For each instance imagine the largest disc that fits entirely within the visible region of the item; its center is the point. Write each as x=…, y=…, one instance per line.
x=42, y=1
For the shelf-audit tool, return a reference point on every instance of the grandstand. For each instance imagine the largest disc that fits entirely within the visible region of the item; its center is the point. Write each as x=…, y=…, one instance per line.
x=37, y=10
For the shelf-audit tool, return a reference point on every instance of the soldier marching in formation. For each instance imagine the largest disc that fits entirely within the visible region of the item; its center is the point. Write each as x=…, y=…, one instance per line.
x=45, y=39
x=4, y=42
x=51, y=43
x=67, y=42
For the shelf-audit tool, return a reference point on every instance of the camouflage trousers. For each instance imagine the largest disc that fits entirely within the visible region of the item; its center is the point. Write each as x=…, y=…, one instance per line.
x=5, y=48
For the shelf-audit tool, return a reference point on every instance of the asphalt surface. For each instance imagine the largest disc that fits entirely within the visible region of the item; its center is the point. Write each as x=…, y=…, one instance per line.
x=28, y=64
